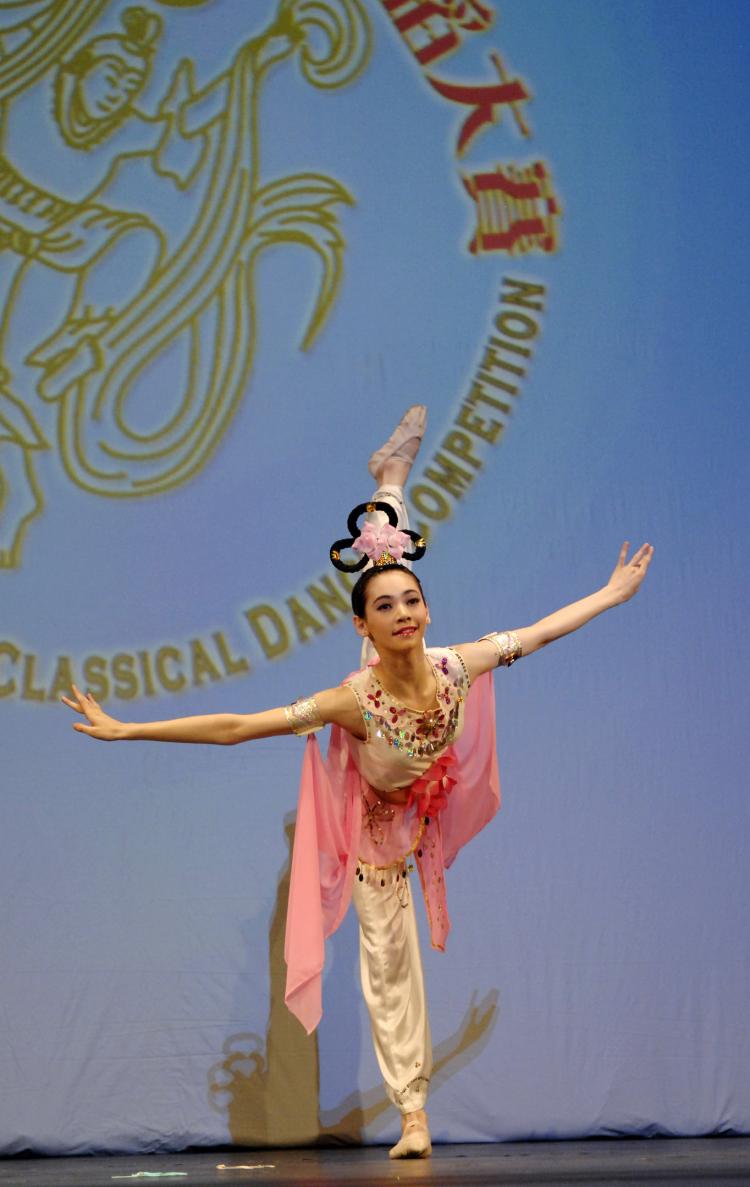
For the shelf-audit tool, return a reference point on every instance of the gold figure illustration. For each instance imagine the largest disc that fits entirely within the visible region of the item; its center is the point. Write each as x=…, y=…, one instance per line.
x=124, y=293
x=35, y=33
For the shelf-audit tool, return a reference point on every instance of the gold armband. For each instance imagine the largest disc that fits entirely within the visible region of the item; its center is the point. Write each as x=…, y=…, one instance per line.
x=508, y=647
x=304, y=716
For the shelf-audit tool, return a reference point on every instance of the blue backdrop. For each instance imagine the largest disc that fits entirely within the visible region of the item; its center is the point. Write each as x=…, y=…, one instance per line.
x=235, y=241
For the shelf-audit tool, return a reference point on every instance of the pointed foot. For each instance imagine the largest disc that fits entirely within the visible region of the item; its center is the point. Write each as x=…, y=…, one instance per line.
x=402, y=446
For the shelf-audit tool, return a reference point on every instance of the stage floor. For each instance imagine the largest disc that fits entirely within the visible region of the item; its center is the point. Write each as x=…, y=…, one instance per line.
x=599, y=1163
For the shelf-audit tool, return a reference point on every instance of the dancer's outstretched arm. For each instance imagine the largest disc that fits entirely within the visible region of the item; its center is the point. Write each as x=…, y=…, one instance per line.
x=623, y=584
x=334, y=705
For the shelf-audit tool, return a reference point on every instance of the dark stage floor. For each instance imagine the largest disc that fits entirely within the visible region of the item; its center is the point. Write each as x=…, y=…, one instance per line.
x=688, y=1161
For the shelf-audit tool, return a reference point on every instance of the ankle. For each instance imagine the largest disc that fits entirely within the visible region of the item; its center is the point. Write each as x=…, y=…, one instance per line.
x=418, y=1117
x=394, y=472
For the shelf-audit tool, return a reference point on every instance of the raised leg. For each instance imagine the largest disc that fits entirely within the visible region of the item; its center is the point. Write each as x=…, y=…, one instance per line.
x=390, y=466
x=392, y=463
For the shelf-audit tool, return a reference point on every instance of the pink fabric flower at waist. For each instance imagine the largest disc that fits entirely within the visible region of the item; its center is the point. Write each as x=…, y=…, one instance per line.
x=392, y=831
x=430, y=791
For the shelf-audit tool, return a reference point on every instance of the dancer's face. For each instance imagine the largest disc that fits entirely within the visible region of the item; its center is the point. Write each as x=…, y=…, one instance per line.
x=395, y=612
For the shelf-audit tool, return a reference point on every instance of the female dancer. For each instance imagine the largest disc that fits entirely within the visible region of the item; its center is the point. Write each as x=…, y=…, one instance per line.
x=410, y=777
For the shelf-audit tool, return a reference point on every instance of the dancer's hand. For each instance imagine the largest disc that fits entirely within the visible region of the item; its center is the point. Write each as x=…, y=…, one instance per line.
x=100, y=725
x=628, y=575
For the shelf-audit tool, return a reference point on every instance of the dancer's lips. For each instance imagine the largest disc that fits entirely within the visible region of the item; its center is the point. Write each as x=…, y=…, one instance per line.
x=406, y=632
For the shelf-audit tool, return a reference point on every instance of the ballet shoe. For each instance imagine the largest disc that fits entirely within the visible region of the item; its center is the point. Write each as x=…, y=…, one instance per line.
x=404, y=441
x=413, y=1143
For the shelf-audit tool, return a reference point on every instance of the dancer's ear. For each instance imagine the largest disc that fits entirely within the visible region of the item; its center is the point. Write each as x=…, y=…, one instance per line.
x=360, y=627
x=428, y=620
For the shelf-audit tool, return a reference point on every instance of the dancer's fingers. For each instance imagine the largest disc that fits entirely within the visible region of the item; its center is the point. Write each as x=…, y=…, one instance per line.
x=86, y=703
x=643, y=555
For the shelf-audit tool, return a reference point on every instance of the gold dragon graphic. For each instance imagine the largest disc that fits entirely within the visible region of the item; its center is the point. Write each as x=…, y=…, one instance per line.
x=121, y=295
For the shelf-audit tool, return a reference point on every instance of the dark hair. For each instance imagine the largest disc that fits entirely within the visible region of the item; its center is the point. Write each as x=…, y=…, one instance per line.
x=360, y=589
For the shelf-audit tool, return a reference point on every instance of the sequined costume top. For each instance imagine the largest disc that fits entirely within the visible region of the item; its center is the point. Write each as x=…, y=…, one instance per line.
x=402, y=743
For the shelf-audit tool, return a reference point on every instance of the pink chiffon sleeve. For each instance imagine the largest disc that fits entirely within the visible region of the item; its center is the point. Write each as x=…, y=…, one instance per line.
x=326, y=842
x=476, y=797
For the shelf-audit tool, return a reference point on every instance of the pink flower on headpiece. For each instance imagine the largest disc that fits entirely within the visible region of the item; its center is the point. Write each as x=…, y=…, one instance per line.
x=374, y=541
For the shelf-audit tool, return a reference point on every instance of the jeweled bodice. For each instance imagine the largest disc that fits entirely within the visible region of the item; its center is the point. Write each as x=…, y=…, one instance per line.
x=403, y=742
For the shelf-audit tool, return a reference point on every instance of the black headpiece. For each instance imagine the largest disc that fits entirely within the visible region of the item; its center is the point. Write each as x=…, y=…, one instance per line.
x=383, y=546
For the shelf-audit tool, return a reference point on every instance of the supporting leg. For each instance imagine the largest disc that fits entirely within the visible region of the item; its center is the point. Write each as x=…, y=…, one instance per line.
x=393, y=988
